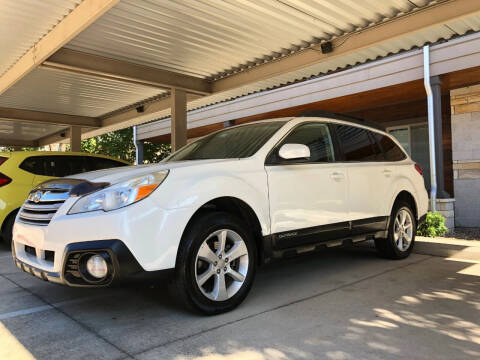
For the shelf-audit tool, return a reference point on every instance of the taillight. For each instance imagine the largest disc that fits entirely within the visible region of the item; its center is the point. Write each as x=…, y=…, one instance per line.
x=419, y=169
x=3, y=159
x=4, y=180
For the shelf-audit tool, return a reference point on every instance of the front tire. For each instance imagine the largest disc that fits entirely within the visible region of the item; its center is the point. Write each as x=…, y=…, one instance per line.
x=401, y=233
x=216, y=263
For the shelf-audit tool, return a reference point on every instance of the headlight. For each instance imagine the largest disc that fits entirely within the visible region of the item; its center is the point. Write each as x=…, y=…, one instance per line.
x=120, y=195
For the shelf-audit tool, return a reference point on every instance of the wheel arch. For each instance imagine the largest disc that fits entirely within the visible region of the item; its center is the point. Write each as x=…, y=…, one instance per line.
x=239, y=208
x=408, y=197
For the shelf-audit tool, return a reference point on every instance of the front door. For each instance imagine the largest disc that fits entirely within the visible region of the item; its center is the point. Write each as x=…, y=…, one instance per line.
x=308, y=201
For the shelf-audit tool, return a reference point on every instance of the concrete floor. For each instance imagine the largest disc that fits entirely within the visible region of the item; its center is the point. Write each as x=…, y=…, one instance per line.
x=338, y=304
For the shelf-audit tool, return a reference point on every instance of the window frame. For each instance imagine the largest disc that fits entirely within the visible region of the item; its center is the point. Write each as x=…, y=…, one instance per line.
x=279, y=143
x=374, y=141
x=370, y=137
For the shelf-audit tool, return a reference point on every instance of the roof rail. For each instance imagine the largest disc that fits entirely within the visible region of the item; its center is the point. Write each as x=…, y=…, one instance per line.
x=337, y=116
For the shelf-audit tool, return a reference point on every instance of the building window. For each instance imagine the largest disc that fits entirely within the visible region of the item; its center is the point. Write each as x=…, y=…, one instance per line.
x=414, y=139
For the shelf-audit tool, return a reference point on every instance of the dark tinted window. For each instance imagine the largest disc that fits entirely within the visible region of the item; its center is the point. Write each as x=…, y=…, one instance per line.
x=64, y=165
x=94, y=163
x=379, y=156
x=69, y=165
x=42, y=165
x=314, y=135
x=356, y=143
x=32, y=165
x=391, y=150
x=237, y=142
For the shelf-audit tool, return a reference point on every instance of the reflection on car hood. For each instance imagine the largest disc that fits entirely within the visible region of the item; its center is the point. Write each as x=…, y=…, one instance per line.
x=119, y=174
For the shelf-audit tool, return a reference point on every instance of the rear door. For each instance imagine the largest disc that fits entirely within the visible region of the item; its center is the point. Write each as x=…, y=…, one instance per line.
x=307, y=197
x=369, y=178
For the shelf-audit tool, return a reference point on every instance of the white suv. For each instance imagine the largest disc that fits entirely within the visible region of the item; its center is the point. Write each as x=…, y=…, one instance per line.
x=212, y=211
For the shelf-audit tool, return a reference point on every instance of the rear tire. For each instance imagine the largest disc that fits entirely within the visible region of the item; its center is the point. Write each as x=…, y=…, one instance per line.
x=401, y=233
x=216, y=263
x=7, y=233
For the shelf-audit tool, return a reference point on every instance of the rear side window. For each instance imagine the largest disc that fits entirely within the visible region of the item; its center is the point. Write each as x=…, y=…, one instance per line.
x=357, y=144
x=32, y=165
x=46, y=165
x=314, y=135
x=94, y=163
x=391, y=150
x=64, y=165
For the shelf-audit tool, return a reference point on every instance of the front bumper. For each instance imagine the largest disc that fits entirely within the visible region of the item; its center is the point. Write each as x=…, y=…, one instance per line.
x=122, y=265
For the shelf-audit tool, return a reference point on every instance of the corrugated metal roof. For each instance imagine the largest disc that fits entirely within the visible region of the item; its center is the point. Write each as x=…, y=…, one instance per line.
x=209, y=38
x=377, y=51
x=24, y=22
x=66, y=93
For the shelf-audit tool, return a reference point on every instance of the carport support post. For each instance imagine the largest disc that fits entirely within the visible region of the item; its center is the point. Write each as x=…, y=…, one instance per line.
x=179, y=118
x=436, y=83
x=75, y=138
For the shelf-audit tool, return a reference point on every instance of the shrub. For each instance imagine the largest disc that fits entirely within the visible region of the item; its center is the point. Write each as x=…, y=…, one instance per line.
x=434, y=225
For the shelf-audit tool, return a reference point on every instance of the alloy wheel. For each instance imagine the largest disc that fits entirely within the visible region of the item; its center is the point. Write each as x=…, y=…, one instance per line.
x=221, y=265
x=403, y=229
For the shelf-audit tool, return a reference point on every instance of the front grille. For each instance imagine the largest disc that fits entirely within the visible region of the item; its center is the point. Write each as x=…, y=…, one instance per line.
x=42, y=203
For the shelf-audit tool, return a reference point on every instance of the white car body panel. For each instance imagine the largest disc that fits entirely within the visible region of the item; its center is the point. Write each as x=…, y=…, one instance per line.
x=296, y=193
x=283, y=198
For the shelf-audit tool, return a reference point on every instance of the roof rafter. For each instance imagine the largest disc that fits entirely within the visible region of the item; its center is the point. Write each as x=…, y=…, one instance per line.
x=11, y=114
x=99, y=66
x=83, y=15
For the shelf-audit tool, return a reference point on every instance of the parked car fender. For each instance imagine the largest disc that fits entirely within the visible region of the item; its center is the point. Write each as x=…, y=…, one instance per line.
x=203, y=188
x=402, y=183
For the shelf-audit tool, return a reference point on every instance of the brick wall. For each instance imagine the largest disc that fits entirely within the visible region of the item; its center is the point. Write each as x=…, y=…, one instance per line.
x=465, y=108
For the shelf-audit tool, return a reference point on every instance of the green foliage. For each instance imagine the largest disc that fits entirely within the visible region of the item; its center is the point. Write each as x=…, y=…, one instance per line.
x=119, y=144
x=434, y=225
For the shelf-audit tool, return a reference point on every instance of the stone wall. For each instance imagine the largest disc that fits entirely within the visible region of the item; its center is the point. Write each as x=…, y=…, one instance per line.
x=465, y=103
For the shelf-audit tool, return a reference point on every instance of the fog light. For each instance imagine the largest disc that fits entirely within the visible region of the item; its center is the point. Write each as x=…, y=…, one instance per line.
x=97, y=266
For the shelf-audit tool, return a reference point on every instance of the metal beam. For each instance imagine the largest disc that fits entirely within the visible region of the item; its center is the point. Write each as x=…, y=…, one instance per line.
x=54, y=138
x=18, y=142
x=132, y=117
x=11, y=114
x=99, y=66
x=179, y=119
x=82, y=16
x=396, y=28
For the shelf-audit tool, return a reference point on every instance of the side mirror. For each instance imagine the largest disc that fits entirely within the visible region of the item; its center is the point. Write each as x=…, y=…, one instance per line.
x=294, y=151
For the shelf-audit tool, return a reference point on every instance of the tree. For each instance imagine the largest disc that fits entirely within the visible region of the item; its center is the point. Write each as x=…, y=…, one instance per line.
x=119, y=144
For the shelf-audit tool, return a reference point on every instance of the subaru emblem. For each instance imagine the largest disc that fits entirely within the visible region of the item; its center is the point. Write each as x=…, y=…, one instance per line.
x=37, y=197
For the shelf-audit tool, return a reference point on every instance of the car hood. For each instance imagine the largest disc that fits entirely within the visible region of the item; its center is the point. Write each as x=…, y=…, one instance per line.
x=119, y=174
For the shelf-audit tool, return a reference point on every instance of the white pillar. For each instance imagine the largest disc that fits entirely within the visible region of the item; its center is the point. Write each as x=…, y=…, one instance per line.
x=75, y=138
x=138, y=148
x=179, y=118
x=431, y=128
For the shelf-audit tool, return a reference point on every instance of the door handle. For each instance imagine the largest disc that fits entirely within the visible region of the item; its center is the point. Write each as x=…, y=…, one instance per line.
x=337, y=176
x=387, y=173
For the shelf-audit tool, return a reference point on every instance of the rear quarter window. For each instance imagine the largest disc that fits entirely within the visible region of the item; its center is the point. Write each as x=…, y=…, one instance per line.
x=392, y=151
x=95, y=163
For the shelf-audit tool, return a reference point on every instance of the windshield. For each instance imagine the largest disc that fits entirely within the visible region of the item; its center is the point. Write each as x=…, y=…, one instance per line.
x=237, y=142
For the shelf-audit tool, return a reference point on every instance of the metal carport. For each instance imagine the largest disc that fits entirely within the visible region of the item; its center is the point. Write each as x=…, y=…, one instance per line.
x=83, y=68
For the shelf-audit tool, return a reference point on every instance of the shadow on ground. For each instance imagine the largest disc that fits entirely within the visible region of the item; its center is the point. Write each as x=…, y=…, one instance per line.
x=338, y=304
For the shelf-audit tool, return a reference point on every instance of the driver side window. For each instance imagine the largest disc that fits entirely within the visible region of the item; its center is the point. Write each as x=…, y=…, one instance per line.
x=314, y=135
